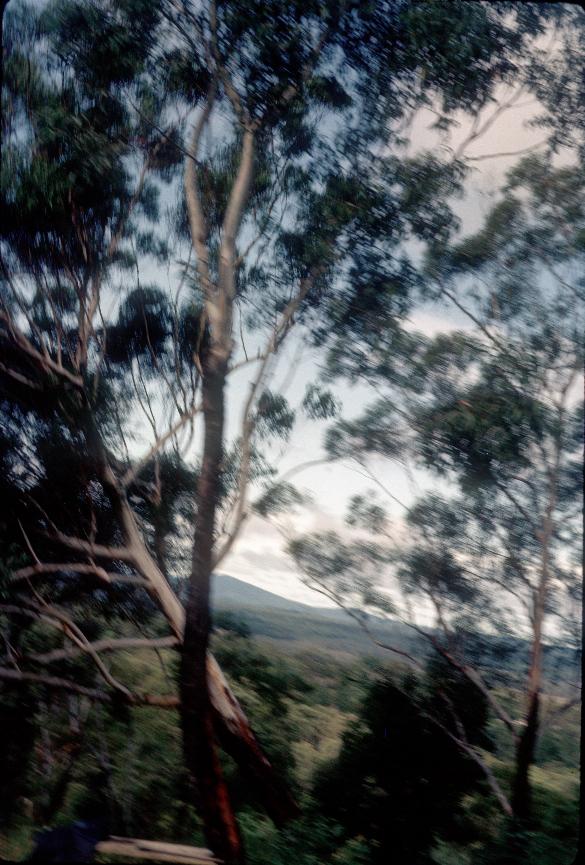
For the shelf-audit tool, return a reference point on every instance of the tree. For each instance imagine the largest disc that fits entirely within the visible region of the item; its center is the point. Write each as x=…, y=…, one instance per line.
x=397, y=783
x=70, y=206
x=267, y=123
x=498, y=410
x=523, y=442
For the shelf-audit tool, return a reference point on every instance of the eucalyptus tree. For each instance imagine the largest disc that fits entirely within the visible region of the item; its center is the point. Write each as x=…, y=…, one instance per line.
x=85, y=155
x=263, y=129
x=496, y=409
x=515, y=437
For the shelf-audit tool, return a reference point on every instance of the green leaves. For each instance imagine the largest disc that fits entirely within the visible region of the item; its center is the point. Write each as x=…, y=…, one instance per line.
x=274, y=417
x=185, y=74
x=476, y=251
x=144, y=323
x=105, y=48
x=328, y=91
x=429, y=573
x=277, y=498
x=482, y=429
x=395, y=766
x=345, y=571
x=365, y=512
x=377, y=431
x=436, y=516
x=426, y=187
x=319, y=403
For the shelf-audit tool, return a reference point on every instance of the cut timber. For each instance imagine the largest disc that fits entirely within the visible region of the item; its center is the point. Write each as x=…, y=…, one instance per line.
x=157, y=851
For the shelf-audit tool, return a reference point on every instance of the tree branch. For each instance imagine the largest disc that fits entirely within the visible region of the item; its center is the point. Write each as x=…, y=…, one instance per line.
x=477, y=758
x=162, y=701
x=76, y=568
x=121, y=554
x=107, y=645
x=249, y=422
x=474, y=676
x=160, y=442
x=197, y=222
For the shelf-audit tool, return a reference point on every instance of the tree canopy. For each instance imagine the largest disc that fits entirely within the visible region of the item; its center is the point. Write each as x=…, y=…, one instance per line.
x=182, y=184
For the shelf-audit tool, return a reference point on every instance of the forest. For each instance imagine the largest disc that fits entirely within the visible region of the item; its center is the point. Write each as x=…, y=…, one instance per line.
x=292, y=301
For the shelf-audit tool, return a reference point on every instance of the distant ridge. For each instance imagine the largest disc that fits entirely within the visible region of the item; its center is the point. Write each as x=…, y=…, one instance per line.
x=231, y=593
x=297, y=626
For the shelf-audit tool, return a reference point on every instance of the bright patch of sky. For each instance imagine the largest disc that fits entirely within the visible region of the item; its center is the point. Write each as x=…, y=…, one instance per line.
x=259, y=556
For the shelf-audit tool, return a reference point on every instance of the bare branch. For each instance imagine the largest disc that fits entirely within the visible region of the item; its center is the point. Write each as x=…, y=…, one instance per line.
x=219, y=305
x=21, y=379
x=121, y=554
x=518, y=505
x=474, y=319
x=474, y=754
x=114, y=645
x=306, y=465
x=362, y=622
x=248, y=421
x=160, y=442
x=76, y=568
x=44, y=361
x=478, y=129
x=503, y=154
x=368, y=474
x=197, y=222
x=53, y=615
x=474, y=676
x=162, y=701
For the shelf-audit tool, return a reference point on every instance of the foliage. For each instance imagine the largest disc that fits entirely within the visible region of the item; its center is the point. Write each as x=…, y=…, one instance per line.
x=133, y=757
x=302, y=109
x=394, y=767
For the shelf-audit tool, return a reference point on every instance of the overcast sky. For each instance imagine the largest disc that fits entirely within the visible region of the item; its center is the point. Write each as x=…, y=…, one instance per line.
x=258, y=556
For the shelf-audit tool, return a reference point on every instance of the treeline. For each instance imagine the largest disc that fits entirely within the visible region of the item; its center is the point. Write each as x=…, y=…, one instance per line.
x=375, y=778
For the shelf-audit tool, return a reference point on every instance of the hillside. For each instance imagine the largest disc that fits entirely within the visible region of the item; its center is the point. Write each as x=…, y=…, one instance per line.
x=296, y=626
x=231, y=593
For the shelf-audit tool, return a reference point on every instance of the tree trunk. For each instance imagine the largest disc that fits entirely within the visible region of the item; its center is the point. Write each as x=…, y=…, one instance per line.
x=199, y=744
x=521, y=790
x=230, y=722
x=3, y=5
x=526, y=748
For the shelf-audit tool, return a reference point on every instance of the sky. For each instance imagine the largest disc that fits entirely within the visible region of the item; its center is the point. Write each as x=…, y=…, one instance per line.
x=258, y=557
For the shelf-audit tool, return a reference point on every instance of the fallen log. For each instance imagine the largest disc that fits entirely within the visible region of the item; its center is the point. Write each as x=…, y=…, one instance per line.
x=157, y=851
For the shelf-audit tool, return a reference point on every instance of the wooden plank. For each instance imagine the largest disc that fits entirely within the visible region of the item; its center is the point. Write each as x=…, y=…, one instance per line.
x=150, y=856
x=164, y=846
x=159, y=851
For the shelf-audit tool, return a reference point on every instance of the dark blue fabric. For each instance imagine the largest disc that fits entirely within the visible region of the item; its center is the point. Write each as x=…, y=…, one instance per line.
x=73, y=843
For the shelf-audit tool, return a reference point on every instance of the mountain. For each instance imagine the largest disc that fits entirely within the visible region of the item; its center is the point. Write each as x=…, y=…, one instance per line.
x=298, y=626
x=231, y=594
